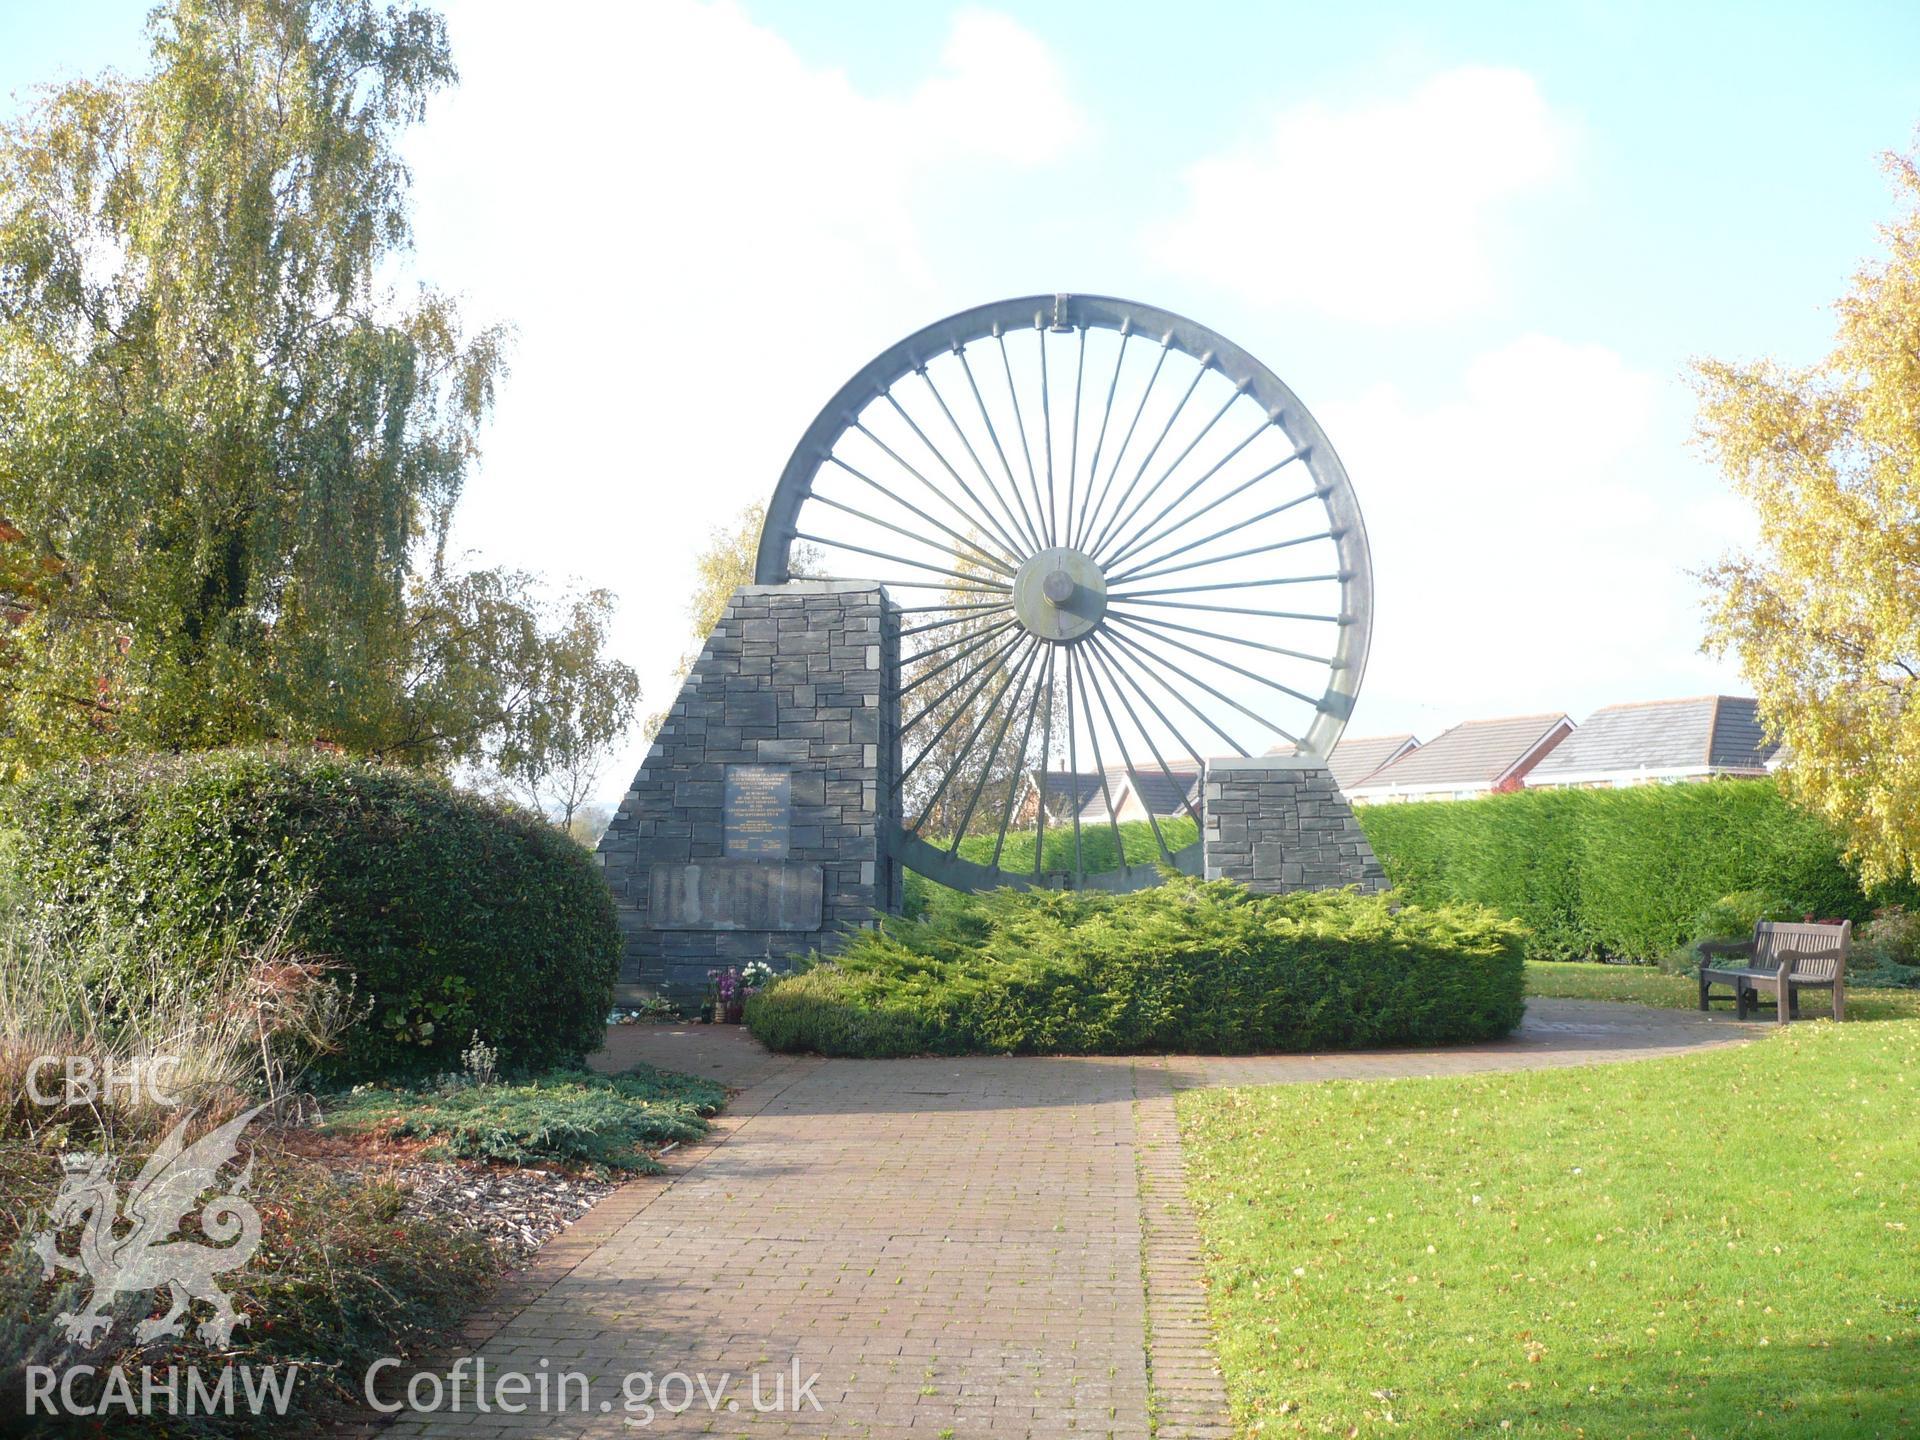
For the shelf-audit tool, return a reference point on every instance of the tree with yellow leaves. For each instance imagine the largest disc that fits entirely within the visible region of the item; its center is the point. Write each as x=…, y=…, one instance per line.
x=1824, y=614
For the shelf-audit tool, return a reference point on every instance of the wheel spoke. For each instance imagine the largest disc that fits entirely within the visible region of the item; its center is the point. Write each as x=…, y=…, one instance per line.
x=1224, y=699
x=955, y=620
x=1220, y=500
x=1042, y=524
x=1250, y=521
x=993, y=754
x=1005, y=564
x=1145, y=660
x=1113, y=473
x=1014, y=546
x=1100, y=440
x=1020, y=766
x=1200, y=765
x=1146, y=496
x=1099, y=541
x=985, y=715
x=969, y=647
x=1073, y=779
x=1127, y=764
x=1233, y=640
x=1132, y=544
x=1046, y=759
x=946, y=585
x=979, y=581
x=1254, y=676
x=960, y=710
x=1226, y=585
x=1099, y=762
x=980, y=404
x=1013, y=549
x=914, y=536
x=1207, y=560
x=1073, y=441
x=1230, y=610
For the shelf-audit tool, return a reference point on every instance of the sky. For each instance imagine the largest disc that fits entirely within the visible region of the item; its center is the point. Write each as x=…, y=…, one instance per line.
x=1482, y=242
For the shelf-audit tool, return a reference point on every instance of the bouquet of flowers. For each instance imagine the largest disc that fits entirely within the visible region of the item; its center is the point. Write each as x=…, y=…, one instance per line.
x=728, y=995
x=757, y=976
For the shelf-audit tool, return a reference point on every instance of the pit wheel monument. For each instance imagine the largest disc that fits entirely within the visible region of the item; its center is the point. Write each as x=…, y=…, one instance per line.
x=1038, y=565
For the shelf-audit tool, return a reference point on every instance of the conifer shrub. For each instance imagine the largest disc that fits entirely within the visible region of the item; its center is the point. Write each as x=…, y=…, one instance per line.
x=1187, y=966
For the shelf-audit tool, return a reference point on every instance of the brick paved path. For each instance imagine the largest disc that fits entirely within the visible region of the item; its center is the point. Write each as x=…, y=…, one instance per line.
x=986, y=1247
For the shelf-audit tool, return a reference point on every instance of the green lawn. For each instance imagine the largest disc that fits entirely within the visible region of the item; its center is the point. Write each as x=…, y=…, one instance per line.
x=1644, y=985
x=1583, y=1252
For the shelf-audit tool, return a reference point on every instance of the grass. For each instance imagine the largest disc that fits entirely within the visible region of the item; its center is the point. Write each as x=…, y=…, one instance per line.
x=1715, y=1245
x=1645, y=985
x=570, y=1117
x=1096, y=853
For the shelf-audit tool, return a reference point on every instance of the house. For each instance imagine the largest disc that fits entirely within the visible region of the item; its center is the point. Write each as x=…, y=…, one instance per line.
x=1478, y=757
x=1660, y=741
x=1355, y=759
x=1136, y=794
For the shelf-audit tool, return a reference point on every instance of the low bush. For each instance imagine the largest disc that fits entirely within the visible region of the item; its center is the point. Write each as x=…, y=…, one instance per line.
x=1887, y=950
x=574, y=1117
x=1187, y=966
x=343, y=1276
x=1616, y=874
x=438, y=912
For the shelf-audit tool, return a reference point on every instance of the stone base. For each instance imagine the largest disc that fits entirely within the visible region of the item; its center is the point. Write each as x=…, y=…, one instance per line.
x=1278, y=822
x=794, y=679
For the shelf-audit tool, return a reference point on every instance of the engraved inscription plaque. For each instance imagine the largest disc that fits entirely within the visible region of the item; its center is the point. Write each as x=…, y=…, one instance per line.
x=757, y=821
x=736, y=895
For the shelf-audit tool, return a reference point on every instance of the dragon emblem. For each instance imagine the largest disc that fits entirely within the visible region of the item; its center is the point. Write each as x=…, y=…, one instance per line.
x=150, y=1253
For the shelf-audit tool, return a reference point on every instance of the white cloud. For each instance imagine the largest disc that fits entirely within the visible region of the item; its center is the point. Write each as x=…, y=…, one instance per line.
x=1531, y=539
x=699, y=233
x=998, y=93
x=1384, y=213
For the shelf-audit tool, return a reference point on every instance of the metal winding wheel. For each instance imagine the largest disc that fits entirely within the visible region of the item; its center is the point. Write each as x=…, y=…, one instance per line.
x=1110, y=530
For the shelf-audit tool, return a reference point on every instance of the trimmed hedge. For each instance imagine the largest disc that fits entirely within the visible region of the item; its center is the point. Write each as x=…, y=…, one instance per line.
x=1615, y=874
x=445, y=913
x=1188, y=966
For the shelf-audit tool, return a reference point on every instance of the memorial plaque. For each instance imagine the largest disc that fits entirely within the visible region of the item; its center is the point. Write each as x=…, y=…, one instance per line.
x=757, y=819
x=736, y=895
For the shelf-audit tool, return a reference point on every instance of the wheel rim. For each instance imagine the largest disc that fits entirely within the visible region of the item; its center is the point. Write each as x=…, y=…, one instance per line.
x=1115, y=536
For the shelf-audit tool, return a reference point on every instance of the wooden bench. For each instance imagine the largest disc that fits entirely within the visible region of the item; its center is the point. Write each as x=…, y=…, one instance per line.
x=1783, y=959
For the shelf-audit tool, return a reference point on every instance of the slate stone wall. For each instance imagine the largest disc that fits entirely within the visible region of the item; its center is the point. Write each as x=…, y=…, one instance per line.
x=1278, y=823
x=795, y=676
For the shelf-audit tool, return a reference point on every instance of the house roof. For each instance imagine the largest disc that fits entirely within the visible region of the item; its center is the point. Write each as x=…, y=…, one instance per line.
x=1476, y=752
x=1700, y=733
x=1156, y=792
x=1354, y=759
x=1162, y=795
x=1067, y=792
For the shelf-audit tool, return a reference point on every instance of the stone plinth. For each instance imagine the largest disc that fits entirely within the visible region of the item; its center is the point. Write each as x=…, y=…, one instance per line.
x=755, y=824
x=1278, y=823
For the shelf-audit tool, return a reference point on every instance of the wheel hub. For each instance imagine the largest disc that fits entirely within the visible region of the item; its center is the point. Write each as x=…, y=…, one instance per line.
x=1060, y=595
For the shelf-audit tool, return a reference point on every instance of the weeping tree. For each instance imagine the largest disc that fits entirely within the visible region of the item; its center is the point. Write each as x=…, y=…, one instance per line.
x=1824, y=612
x=230, y=447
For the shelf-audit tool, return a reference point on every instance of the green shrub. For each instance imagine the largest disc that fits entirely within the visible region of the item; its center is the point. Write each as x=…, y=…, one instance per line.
x=1731, y=917
x=572, y=1117
x=442, y=913
x=1615, y=874
x=1187, y=966
x=1886, y=950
